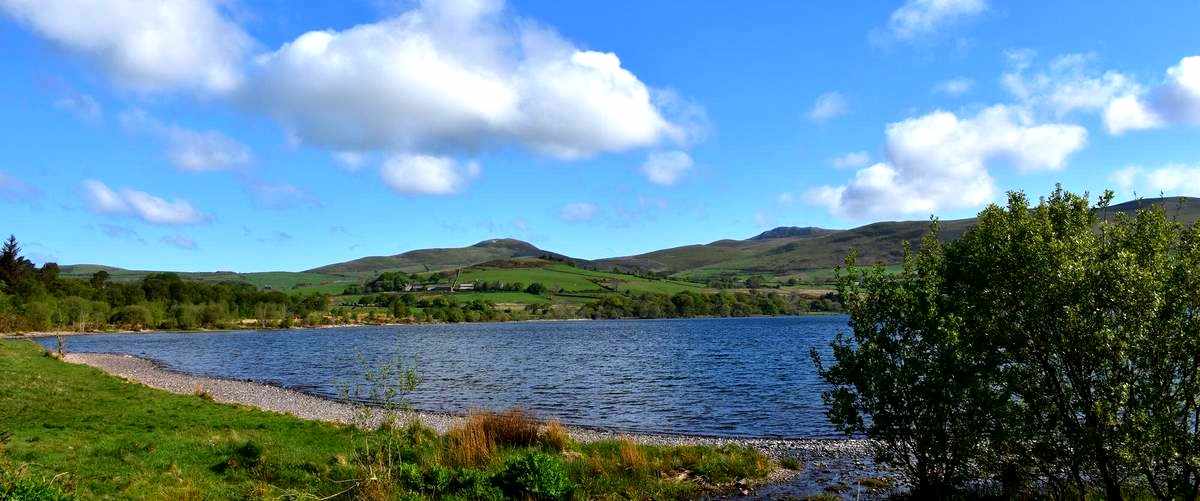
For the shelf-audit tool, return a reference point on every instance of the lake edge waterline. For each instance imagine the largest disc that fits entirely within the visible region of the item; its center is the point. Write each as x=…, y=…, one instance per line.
x=618, y=382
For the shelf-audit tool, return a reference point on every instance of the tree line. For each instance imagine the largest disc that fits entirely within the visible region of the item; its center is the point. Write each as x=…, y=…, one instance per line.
x=1049, y=351
x=39, y=299
x=700, y=304
x=398, y=281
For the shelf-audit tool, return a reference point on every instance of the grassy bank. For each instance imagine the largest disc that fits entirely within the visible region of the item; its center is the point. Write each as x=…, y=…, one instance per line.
x=75, y=430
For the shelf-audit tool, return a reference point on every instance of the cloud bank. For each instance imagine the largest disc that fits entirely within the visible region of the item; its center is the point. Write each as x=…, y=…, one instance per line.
x=941, y=161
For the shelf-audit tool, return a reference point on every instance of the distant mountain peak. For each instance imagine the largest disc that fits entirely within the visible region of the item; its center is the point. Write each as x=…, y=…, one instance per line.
x=791, y=232
x=505, y=242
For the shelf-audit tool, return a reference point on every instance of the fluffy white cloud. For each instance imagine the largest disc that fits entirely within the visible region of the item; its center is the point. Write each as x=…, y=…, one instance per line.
x=1128, y=113
x=578, y=211
x=954, y=86
x=426, y=175
x=940, y=161
x=190, y=150
x=917, y=18
x=1066, y=85
x=1169, y=180
x=450, y=76
x=852, y=160
x=15, y=190
x=666, y=167
x=827, y=106
x=1175, y=101
x=144, y=45
x=104, y=200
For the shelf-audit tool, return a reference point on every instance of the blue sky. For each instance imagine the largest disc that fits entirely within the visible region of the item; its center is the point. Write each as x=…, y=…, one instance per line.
x=253, y=136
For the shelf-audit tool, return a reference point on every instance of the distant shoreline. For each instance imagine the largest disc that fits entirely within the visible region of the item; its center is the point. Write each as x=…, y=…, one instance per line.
x=41, y=334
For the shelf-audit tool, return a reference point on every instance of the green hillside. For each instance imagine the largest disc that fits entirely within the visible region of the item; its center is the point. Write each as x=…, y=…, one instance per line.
x=441, y=259
x=570, y=279
x=803, y=255
x=791, y=250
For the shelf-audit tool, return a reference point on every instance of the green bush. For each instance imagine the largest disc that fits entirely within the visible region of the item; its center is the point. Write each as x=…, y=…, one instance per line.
x=1049, y=350
x=535, y=475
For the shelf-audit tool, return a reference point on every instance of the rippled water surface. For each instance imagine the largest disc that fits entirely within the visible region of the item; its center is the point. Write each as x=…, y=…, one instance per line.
x=729, y=377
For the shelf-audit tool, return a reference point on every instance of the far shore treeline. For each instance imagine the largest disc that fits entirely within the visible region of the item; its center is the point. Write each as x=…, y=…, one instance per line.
x=40, y=299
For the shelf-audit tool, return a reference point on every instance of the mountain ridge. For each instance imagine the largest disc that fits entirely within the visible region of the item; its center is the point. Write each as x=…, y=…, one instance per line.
x=779, y=251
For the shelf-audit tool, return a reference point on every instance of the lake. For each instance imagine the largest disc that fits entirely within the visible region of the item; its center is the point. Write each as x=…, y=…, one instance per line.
x=737, y=377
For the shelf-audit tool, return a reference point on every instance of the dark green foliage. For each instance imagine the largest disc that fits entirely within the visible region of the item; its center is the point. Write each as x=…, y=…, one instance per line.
x=535, y=475
x=536, y=288
x=1049, y=349
x=40, y=299
x=697, y=304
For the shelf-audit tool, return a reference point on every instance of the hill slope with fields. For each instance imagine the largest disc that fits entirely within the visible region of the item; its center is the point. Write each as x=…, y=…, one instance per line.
x=807, y=252
x=424, y=260
x=788, y=250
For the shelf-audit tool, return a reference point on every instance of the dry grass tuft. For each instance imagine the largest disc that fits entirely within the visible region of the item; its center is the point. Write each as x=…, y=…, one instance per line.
x=470, y=445
x=199, y=391
x=632, y=457
x=511, y=428
x=555, y=436
x=483, y=433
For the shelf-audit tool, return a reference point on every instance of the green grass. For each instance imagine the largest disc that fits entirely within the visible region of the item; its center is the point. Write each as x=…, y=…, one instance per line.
x=97, y=436
x=500, y=297
x=572, y=279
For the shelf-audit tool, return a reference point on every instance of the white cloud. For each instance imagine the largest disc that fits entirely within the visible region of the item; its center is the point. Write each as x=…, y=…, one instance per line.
x=190, y=150
x=941, y=161
x=954, y=86
x=578, y=212
x=450, y=76
x=15, y=190
x=104, y=200
x=827, y=106
x=785, y=199
x=1175, y=101
x=179, y=241
x=146, y=46
x=1067, y=84
x=1169, y=180
x=852, y=160
x=1128, y=113
x=666, y=167
x=917, y=18
x=426, y=175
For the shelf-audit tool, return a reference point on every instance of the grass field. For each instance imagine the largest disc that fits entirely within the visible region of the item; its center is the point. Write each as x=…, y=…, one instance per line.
x=75, y=430
x=572, y=279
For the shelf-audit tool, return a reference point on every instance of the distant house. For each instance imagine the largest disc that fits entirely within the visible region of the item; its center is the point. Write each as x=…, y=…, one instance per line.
x=466, y=287
x=439, y=287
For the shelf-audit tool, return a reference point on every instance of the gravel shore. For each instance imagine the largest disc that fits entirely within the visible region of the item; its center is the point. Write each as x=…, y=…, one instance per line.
x=831, y=466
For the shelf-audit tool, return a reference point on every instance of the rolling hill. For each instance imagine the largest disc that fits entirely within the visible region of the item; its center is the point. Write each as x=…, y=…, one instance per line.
x=808, y=252
x=788, y=250
x=443, y=259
